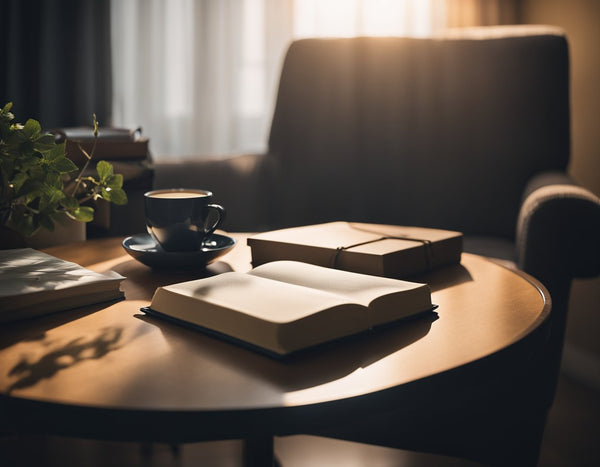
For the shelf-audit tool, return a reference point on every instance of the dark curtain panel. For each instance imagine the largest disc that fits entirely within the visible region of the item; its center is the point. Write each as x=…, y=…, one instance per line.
x=56, y=64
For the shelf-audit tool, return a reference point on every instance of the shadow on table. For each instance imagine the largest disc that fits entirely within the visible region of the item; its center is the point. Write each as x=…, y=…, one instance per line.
x=142, y=280
x=318, y=365
x=35, y=329
x=446, y=277
x=30, y=371
x=324, y=363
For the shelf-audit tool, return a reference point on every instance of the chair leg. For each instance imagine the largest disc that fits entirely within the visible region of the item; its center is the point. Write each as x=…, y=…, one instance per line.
x=258, y=452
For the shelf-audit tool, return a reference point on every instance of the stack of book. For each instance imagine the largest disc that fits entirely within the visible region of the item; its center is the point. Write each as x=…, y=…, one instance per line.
x=114, y=144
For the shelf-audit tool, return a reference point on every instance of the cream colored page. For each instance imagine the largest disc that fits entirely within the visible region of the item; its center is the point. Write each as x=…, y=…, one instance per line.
x=260, y=297
x=26, y=271
x=361, y=288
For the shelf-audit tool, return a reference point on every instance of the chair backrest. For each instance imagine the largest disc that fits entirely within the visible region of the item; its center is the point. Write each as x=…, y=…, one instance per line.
x=440, y=132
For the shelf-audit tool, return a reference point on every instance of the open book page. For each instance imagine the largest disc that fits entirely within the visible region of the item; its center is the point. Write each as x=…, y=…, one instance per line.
x=267, y=313
x=387, y=299
x=286, y=306
x=361, y=288
x=270, y=300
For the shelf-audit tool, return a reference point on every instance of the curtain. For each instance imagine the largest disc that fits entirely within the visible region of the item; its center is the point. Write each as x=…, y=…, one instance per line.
x=56, y=63
x=200, y=76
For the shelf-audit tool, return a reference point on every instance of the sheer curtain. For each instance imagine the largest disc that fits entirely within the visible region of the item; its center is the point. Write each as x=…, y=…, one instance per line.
x=196, y=75
x=200, y=76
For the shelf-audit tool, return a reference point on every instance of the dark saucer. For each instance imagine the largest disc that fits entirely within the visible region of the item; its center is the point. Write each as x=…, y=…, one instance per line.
x=144, y=248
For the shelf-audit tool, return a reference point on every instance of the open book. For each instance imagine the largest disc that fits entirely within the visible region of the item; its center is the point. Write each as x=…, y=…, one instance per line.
x=34, y=283
x=285, y=306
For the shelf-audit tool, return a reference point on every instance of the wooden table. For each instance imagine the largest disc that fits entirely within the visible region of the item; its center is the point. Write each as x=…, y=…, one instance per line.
x=110, y=372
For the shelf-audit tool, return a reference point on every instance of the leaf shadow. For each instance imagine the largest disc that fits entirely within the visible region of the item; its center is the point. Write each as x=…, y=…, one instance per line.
x=72, y=353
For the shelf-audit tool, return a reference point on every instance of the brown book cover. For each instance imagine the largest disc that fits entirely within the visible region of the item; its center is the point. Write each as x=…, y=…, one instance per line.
x=382, y=250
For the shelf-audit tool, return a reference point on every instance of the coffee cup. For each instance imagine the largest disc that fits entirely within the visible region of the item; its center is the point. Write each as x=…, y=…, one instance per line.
x=180, y=219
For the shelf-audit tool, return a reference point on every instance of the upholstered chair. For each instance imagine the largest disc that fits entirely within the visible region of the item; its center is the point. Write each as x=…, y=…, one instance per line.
x=469, y=131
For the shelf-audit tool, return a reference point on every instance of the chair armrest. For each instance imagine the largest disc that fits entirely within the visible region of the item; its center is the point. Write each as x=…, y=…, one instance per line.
x=240, y=183
x=558, y=230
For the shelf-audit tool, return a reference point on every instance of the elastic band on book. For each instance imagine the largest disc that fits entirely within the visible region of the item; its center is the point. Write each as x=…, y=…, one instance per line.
x=425, y=242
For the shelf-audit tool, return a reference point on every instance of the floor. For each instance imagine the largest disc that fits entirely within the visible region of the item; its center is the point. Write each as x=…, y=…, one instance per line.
x=572, y=439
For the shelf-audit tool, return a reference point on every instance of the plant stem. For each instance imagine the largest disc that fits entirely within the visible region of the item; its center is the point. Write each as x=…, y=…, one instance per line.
x=87, y=162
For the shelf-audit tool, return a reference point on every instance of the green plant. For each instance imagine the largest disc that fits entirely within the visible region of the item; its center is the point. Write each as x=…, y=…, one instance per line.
x=39, y=184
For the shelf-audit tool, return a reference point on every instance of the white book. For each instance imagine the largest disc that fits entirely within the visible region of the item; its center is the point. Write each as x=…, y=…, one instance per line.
x=33, y=283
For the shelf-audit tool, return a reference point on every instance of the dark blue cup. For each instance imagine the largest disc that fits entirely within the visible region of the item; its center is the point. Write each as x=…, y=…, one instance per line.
x=180, y=219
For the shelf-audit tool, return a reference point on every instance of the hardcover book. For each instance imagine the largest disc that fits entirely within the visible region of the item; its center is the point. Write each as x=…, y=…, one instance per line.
x=33, y=283
x=380, y=250
x=113, y=143
x=286, y=306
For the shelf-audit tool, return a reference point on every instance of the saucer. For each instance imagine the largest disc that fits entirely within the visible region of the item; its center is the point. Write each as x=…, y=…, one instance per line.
x=146, y=250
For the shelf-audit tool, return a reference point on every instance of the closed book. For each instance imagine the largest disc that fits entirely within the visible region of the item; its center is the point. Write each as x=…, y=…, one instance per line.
x=34, y=283
x=112, y=144
x=380, y=250
x=283, y=307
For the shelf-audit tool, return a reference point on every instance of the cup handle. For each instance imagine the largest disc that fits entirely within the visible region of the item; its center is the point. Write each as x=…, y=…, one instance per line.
x=220, y=210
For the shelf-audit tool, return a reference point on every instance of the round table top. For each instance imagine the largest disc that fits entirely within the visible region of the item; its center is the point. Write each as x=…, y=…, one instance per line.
x=113, y=357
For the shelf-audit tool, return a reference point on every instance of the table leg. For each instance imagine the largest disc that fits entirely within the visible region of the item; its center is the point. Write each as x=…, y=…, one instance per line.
x=258, y=452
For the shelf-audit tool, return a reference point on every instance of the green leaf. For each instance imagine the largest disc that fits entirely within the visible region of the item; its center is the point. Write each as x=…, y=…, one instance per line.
x=44, y=143
x=83, y=213
x=55, y=180
x=46, y=222
x=69, y=202
x=58, y=150
x=118, y=196
x=32, y=129
x=55, y=195
x=18, y=181
x=30, y=190
x=63, y=165
x=24, y=223
x=29, y=161
x=50, y=199
x=104, y=169
x=26, y=146
x=7, y=107
x=47, y=189
x=115, y=181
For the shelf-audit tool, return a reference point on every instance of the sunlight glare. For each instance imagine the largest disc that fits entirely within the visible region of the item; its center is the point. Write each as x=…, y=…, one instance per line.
x=349, y=18
x=178, y=77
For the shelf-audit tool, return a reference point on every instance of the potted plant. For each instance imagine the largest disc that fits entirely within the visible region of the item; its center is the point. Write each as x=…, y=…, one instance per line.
x=40, y=186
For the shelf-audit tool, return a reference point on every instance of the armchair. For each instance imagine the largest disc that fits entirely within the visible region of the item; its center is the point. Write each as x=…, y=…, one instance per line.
x=470, y=132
